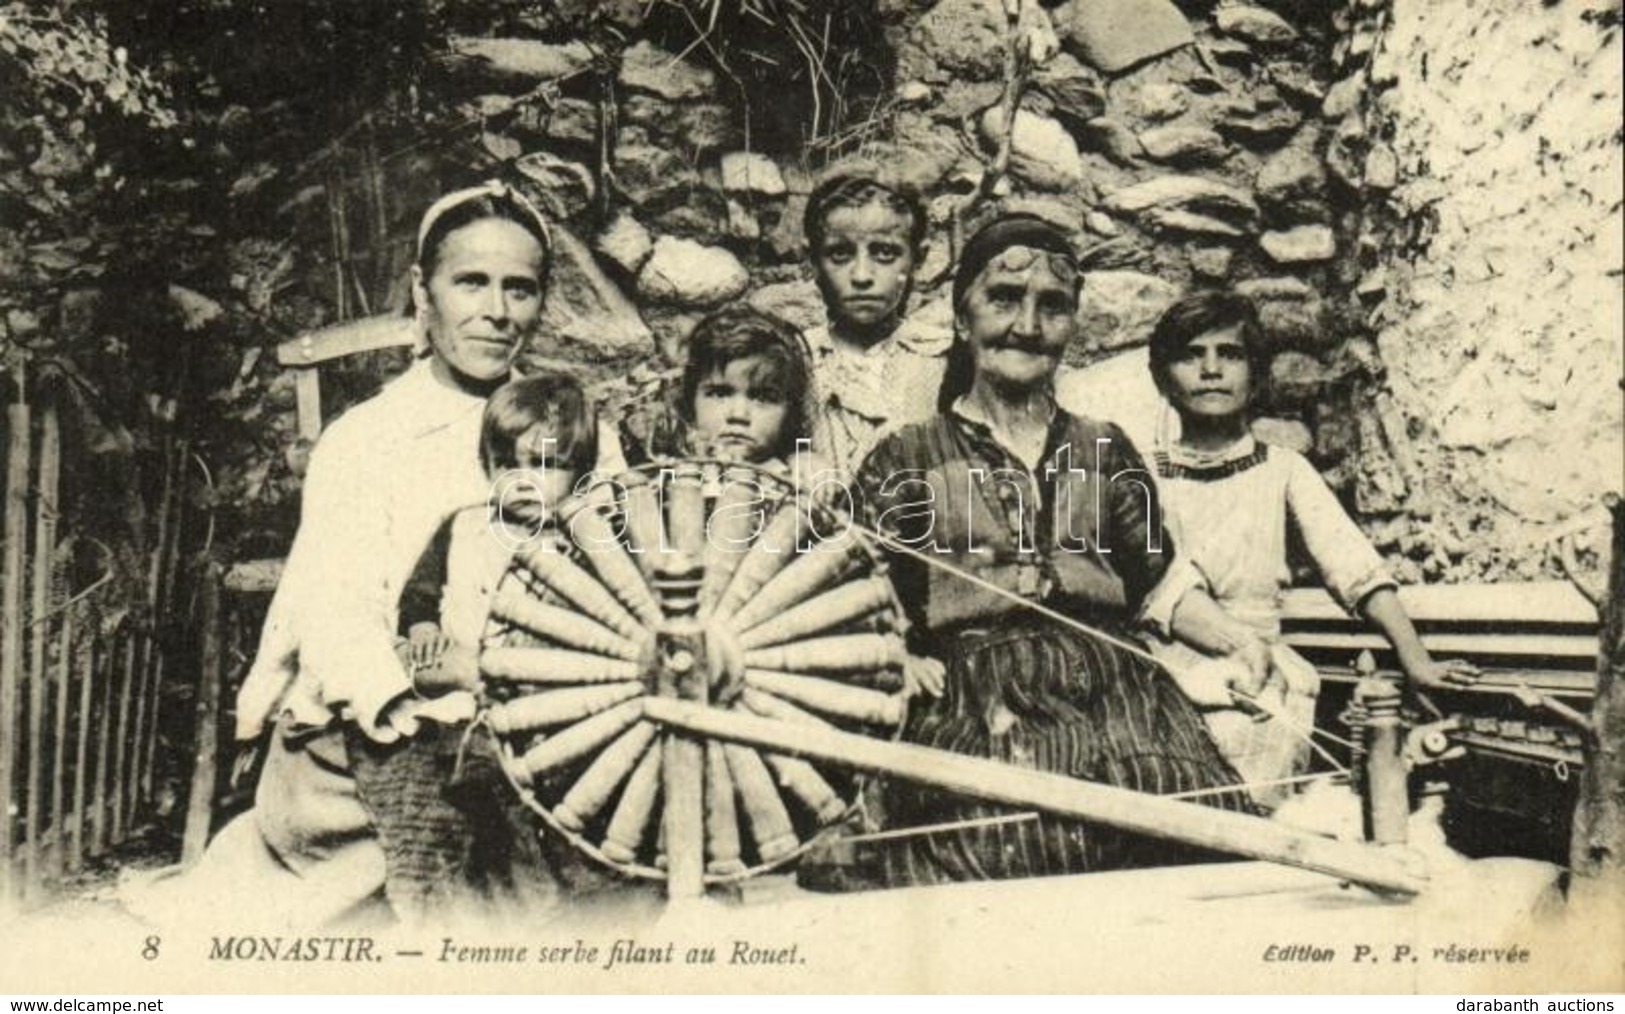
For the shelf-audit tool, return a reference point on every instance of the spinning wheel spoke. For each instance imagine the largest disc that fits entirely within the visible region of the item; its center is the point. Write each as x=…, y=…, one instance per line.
x=852, y=601
x=770, y=824
x=831, y=698
x=703, y=582
x=580, y=739
x=595, y=536
x=807, y=785
x=772, y=552
x=593, y=789
x=556, y=572
x=538, y=711
x=555, y=665
x=841, y=653
x=721, y=815
x=808, y=574
x=567, y=627
x=741, y=511
x=630, y=822
x=758, y=702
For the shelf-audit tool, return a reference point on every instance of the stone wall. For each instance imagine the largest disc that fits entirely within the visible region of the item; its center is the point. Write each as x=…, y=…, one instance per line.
x=1485, y=141
x=1185, y=145
x=1422, y=196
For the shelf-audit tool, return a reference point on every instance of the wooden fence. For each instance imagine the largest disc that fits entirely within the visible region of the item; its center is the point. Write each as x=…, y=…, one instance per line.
x=83, y=670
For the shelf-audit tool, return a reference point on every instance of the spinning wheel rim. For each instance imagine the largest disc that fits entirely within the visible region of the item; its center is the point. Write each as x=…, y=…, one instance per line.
x=784, y=805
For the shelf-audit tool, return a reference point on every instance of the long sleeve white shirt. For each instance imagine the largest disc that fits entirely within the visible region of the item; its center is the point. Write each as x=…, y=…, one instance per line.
x=381, y=480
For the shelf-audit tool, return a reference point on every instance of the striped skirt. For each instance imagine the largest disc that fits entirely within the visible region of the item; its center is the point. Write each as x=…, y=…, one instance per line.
x=1035, y=694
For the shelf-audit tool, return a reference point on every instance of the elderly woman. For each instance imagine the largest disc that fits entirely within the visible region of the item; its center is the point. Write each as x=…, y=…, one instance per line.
x=1008, y=500
x=381, y=480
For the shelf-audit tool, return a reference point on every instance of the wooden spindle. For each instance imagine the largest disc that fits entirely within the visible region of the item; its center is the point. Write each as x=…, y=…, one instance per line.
x=645, y=524
x=686, y=493
x=828, y=697
x=812, y=571
x=774, y=551
x=560, y=574
x=738, y=516
x=804, y=782
x=581, y=739
x=517, y=605
x=592, y=532
x=1386, y=796
x=834, y=654
x=768, y=706
x=851, y=601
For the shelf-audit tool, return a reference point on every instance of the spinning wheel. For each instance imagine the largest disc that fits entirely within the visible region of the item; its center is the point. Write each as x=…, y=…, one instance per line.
x=708, y=583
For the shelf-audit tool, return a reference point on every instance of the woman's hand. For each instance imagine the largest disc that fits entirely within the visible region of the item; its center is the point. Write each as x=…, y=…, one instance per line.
x=922, y=674
x=1449, y=674
x=1252, y=656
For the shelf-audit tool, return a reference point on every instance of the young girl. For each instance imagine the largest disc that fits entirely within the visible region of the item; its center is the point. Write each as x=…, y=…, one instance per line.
x=743, y=387
x=437, y=803
x=872, y=369
x=1230, y=502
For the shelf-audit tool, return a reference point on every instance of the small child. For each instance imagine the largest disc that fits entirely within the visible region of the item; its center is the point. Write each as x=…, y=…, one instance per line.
x=537, y=439
x=872, y=369
x=1230, y=503
x=744, y=387
x=447, y=825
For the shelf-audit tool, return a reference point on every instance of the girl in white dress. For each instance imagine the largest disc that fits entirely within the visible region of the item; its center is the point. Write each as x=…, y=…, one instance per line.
x=1230, y=503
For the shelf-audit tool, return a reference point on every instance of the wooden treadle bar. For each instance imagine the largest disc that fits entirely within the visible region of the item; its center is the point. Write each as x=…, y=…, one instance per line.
x=1233, y=833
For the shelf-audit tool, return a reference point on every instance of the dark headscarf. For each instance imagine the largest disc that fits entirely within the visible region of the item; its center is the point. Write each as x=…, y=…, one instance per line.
x=1002, y=233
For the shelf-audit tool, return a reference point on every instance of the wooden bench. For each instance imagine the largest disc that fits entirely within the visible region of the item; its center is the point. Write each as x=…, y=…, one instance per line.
x=1523, y=724
x=1544, y=630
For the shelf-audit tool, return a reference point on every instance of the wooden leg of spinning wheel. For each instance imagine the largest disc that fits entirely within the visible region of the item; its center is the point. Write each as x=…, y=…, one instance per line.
x=685, y=817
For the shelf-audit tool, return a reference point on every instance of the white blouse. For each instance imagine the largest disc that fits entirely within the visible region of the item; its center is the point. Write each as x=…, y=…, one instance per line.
x=1230, y=514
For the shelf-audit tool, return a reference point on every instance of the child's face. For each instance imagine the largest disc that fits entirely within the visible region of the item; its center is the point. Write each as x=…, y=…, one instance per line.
x=542, y=480
x=738, y=414
x=864, y=264
x=1212, y=376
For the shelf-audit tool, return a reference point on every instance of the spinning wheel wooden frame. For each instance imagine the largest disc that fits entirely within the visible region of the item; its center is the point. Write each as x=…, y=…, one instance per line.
x=687, y=675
